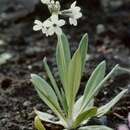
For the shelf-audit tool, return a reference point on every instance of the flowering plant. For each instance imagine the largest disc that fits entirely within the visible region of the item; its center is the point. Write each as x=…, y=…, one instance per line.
x=71, y=113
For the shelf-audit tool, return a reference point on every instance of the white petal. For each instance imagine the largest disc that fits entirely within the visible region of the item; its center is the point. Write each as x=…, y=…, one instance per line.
x=37, y=27
x=44, y=30
x=61, y=22
x=80, y=15
x=70, y=21
x=50, y=31
x=38, y=22
x=73, y=4
x=77, y=15
x=73, y=21
x=77, y=8
x=58, y=30
x=45, y=1
x=54, y=18
x=47, y=23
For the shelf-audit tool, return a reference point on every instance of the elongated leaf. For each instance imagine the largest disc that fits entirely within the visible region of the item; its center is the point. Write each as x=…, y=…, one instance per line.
x=84, y=116
x=83, y=47
x=53, y=82
x=38, y=124
x=77, y=107
x=108, y=76
x=63, y=58
x=78, y=104
x=64, y=100
x=106, y=108
x=95, y=79
x=47, y=94
x=47, y=117
x=52, y=106
x=100, y=85
x=44, y=87
x=96, y=127
x=74, y=77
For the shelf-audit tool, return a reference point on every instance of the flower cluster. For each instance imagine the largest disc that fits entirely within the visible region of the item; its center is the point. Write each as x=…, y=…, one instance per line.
x=53, y=24
x=125, y=127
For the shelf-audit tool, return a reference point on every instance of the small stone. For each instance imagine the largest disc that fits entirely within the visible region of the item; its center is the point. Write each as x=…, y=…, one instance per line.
x=27, y=103
x=29, y=67
x=4, y=57
x=49, y=111
x=2, y=42
x=31, y=115
x=39, y=106
x=100, y=28
x=3, y=121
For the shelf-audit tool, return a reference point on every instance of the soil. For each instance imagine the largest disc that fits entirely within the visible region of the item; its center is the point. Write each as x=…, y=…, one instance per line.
x=109, y=36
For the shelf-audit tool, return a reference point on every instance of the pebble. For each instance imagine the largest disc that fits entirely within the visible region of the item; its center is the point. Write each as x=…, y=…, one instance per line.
x=27, y=103
x=2, y=42
x=39, y=106
x=49, y=111
x=100, y=28
x=31, y=115
x=3, y=121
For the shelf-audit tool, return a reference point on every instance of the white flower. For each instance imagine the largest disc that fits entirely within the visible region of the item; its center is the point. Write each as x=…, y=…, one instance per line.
x=53, y=25
x=75, y=14
x=50, y=26
x=38, y=25
x=45, y=1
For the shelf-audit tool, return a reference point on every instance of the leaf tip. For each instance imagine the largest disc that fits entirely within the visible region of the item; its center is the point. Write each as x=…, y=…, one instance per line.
x=86, y=35
x=103, y=63
x=44, y=59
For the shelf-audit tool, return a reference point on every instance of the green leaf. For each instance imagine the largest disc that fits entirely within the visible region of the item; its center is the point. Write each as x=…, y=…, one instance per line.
x=83, y=47
x=106, y=108
x=53, y=82
x=84, y=116
x=77, y=107
x=63, y=58
x=38, y=124
x=100, y=85
x=4, y=57
x=44, y=87
x=108, y=76
x=90, y=105
x=94, y=80
x=96, y=127
x=47, y=94
x=47, y=117
x=74, y=77
x=64, y=101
